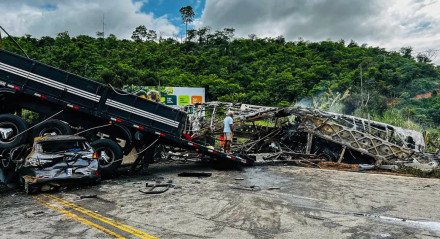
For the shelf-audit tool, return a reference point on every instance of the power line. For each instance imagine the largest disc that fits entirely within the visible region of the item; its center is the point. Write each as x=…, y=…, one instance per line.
x=429, y=53
x=16, y=43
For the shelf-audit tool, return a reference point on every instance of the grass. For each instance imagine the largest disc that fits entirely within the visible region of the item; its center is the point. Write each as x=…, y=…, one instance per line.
x=435, y=173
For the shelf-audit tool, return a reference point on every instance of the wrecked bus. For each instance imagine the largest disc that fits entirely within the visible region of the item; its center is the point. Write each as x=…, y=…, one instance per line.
x=296, y=132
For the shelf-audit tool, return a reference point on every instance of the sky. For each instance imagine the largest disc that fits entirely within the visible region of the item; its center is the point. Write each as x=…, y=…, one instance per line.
x=391, y=24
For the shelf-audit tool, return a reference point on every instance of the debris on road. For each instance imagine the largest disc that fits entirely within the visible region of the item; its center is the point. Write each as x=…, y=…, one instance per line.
x=38, y=213
x=246, y=188
x=363, y=167
x=194, y=174
x=151, y=188
x=88, y=196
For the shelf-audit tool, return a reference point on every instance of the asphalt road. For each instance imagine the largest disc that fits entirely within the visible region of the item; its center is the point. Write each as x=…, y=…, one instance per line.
x=285, y=202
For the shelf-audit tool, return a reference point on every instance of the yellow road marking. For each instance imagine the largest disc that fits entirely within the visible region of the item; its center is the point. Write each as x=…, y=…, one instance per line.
x=78, y=218
x=109, y=221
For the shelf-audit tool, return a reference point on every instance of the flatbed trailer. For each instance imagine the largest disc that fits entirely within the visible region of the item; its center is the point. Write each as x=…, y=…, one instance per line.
x=84, y=104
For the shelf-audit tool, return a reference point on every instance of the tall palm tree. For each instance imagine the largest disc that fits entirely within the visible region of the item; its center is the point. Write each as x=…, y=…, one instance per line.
x=187, y=17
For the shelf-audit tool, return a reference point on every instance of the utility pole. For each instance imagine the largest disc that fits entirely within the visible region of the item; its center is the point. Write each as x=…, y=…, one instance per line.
x=362, y=87
x=103, y=25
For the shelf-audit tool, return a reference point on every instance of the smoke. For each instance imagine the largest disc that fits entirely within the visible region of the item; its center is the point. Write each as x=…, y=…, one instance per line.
x=326, y=101
x=304, y=103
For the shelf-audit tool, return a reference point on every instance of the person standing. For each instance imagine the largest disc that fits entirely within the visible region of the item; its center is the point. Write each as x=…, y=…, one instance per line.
x=228, y=131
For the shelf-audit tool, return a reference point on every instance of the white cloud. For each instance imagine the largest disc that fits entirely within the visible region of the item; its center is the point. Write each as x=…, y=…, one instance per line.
x=49, y=17
x=391, y=24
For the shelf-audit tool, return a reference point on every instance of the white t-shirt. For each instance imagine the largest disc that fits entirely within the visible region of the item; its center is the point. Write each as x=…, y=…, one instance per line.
x=227, y=122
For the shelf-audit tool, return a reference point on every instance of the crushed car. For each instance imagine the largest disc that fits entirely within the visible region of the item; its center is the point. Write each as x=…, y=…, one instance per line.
x=55, y=161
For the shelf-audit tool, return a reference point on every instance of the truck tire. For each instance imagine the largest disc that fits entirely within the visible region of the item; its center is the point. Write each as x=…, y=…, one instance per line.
x=11, y=126
x=326, y=150
x=30, y=189
x=8, y=179
x=160, y=153
x=52, y=127
x=327, y=153
x=110, y=156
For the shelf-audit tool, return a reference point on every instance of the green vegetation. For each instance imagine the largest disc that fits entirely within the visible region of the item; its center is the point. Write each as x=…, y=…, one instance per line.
x=269, y=71
x=435, y=173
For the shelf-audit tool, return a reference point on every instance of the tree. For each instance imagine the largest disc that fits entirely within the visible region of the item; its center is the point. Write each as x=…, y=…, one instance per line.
x=139, y=33
x=100, y=34
x=187, y=17
x=252, y=36
x=202, y=34
x=191, y=34
x=423, y=58
x=229, y=33
x=353, y=44
x=151, y=35
x=280, y=39
x=255, y=71
x=406, y=52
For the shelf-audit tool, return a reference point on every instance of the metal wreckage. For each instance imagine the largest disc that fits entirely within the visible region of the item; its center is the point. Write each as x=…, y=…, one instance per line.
x=309, y=136
x=68, y=104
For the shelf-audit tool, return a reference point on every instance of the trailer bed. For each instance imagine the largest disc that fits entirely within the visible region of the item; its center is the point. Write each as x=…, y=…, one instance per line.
x=101, y=102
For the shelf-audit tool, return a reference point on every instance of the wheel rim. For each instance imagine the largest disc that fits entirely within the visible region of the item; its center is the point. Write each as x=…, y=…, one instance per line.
x=5, y=162
x=50, y=131
x=106, y=157
x=7, y=138
x=325, y=156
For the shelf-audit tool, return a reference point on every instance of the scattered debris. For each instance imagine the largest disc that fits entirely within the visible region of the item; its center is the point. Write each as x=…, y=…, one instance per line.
x=339, y=166
x=312, y=216
x=195, y=174
x=363, y=167
x=88, y=196
x=247, y=188
x=38, y=213
x=308, y=137
x=163, y=187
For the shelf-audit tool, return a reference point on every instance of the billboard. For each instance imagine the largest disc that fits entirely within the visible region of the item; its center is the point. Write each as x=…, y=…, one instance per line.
x=172, y=96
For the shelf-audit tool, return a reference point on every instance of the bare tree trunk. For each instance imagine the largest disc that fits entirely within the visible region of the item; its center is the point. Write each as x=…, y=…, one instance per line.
x=186, y=31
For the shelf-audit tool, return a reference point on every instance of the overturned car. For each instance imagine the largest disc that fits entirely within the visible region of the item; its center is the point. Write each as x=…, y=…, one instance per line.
x=55, y=161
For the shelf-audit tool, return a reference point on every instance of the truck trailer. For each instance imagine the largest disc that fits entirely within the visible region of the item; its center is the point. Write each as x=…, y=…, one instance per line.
x=114, y=121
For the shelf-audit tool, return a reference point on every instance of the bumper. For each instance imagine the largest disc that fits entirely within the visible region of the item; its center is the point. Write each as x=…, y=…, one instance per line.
x=62, y=181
